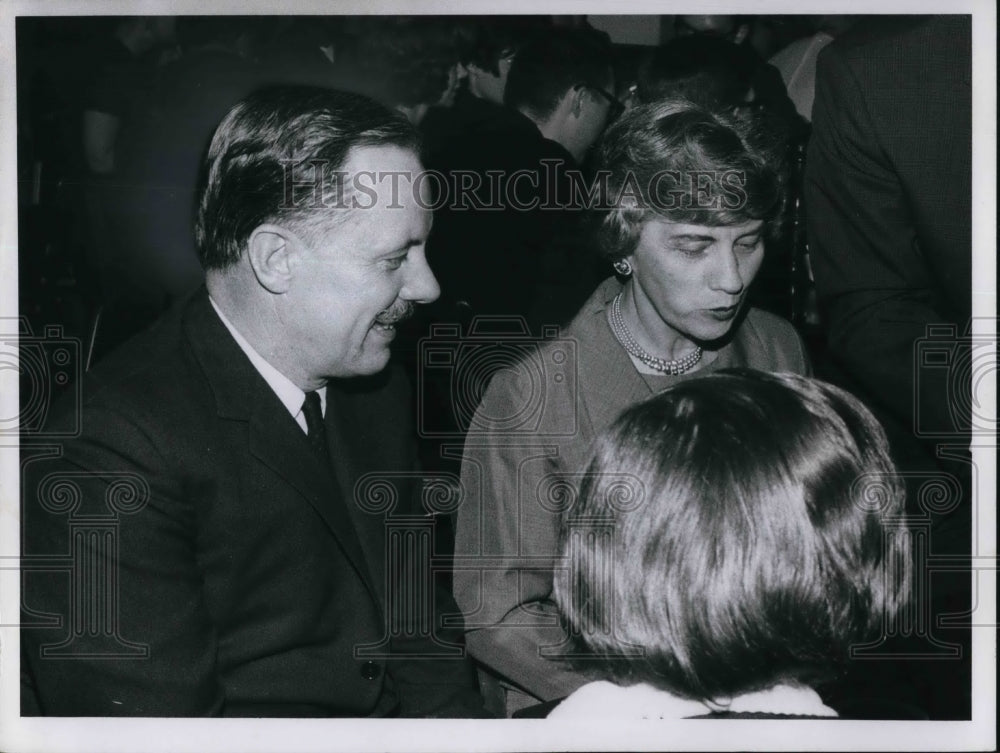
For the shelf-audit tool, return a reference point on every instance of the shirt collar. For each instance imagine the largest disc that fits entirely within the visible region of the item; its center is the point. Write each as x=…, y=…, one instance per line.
x=603, y=699
x=288, y=393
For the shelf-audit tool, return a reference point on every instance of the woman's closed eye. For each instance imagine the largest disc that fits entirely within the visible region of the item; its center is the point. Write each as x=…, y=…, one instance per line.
x=692, y=248
x=748, y=244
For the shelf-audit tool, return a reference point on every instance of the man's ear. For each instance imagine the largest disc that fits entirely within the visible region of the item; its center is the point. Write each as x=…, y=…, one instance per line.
x=270, y=249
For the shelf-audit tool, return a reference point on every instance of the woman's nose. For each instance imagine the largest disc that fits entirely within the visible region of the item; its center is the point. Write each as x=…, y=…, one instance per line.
x=727, y=275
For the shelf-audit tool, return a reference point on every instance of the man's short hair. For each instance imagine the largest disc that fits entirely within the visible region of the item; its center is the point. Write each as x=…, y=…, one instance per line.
x=712, y=72
x=492, y=38
x=273, y=158
x=751, y=543
x=682, y=162
x=552, y=64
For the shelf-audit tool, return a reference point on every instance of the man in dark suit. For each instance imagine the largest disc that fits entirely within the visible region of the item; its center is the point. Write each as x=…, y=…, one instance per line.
x=888, y=191
x=229, y=510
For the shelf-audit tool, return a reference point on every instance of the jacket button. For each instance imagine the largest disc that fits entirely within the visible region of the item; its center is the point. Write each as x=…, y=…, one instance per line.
x=370, y=670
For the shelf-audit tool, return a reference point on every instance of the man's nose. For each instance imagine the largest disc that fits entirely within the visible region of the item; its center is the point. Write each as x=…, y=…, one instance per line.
x=422, y=286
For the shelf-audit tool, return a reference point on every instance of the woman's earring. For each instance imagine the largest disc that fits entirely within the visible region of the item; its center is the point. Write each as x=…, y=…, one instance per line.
x=622, y=267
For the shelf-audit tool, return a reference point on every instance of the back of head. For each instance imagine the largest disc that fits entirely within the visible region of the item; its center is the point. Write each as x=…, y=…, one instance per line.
x=275, y=157
x=751, y=543
x=553, y=63
x=709, y=71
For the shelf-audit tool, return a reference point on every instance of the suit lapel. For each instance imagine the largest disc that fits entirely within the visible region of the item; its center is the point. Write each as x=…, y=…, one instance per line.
x=278, y=442
x=241, y=394
x=351, y=460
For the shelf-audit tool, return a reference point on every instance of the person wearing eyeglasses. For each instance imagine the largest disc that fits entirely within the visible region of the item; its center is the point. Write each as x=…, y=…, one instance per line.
x=508, y=240
x=692, y=196
x=562, y=84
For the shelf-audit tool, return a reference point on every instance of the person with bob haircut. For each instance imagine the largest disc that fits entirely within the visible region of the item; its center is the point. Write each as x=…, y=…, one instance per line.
x=749, y=531
x=689, y=198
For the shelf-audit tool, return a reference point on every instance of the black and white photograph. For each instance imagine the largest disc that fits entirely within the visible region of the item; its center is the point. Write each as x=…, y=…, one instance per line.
x=423, y=376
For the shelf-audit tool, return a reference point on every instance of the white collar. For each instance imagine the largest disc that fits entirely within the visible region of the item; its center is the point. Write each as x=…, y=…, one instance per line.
x=288, y=393
x=606, y=700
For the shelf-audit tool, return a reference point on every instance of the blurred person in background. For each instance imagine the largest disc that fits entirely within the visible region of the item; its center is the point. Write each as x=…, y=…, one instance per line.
x=508, y=238
x=556, y=104
x=768, y=88
x=492, y=50
x=888, y=190
x=410, y=64
x=151, y=211
x=797, y=61
x=491, y=43
x=706, y=70
x=126, y=67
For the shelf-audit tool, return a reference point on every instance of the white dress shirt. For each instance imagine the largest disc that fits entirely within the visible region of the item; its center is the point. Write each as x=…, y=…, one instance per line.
x=289, y=394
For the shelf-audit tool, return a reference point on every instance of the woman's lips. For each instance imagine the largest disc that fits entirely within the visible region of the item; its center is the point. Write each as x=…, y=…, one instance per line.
x=724, y=313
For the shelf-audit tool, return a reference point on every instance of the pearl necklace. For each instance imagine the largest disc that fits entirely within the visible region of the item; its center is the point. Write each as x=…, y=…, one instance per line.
x=627, y=341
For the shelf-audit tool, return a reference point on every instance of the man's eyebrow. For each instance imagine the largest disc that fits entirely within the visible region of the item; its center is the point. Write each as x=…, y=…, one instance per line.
x=404, y=247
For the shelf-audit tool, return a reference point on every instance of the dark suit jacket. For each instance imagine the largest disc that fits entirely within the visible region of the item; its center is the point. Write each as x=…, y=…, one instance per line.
x=252, y=577
x=513, y=245
x=888, y=192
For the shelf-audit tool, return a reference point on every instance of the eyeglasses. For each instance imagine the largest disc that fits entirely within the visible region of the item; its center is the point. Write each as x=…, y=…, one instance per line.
x=615, y=106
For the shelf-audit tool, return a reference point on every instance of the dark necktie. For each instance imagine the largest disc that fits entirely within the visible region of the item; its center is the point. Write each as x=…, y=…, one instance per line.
x=315, y=429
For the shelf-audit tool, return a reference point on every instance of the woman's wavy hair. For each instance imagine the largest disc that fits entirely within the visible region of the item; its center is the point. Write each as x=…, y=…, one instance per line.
x=682, y=162
x=761, y=537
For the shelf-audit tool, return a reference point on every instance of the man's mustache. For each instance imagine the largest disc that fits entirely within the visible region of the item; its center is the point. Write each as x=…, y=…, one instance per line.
x=396, y=313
